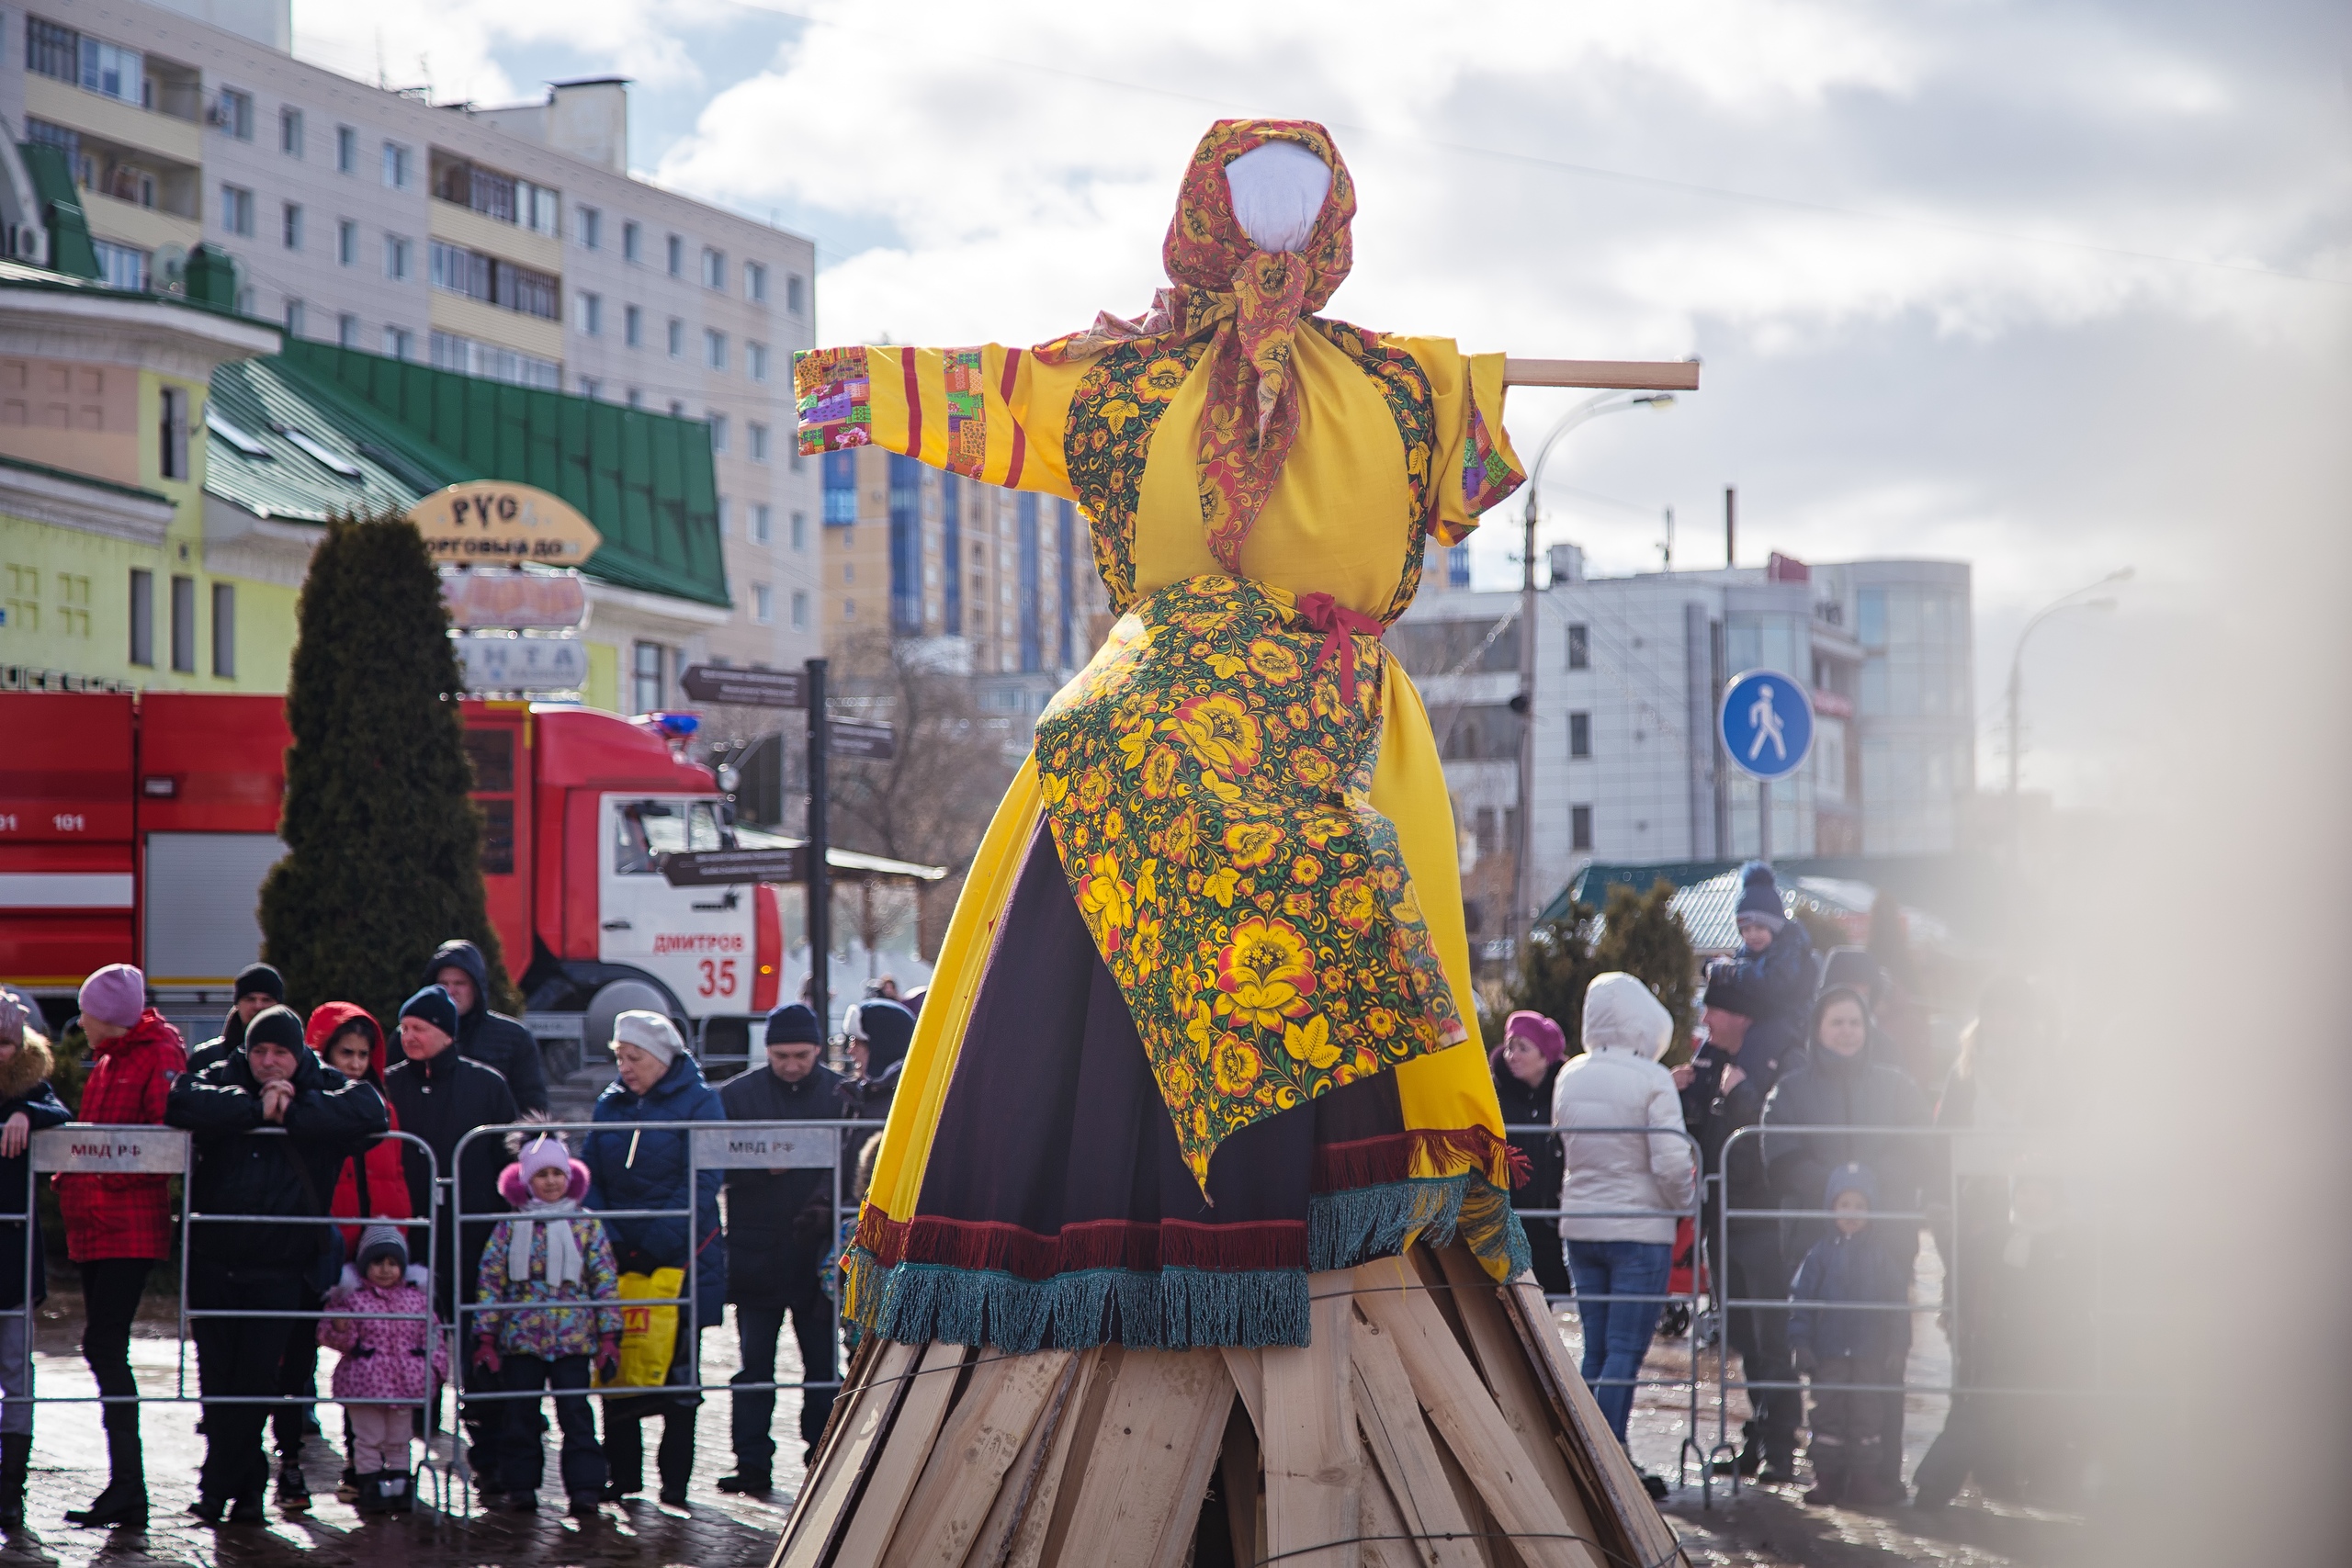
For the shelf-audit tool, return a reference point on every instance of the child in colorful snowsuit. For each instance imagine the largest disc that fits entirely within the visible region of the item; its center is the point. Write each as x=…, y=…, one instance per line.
x=549, y=1251
x=1841, y=1335
x=384, y=1358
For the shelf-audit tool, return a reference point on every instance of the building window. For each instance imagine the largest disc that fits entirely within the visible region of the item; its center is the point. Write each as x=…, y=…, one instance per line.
x=714, y=349
x=1870, y=617
x=800, y=531
x=1457, y=566
x=592, y=314
x=1579, y=646
x=755, y=282
x=632, y=326
x=224, y=629
x=52, y=50
x=346, y=330
x=762, y=604
x=396, y=165
x=726, y=514
x=399, y=342
x=1580, y=827
x=763, y=523
x=346, y=150
x=717, y=429
x=346, y=241
x=755, y=361
x=297, y=318
x=495, y=282
x=236, y=209
x=758, y=434
x=677, y=338
x=289, y=132
x=799, y=611
x=841, y=488
x=645, y=674
x=171, y=434
x=713, y=268
x=632, y=240
x=291, y=226
x=398, y=260
x=792, y=455
x=235, y=115
x=490, y=363
x=678, y=407
x=1580, y=735
x=183, y=624
x=121, y=267
x=142, y=617
x=793, y=288
x=677, y=256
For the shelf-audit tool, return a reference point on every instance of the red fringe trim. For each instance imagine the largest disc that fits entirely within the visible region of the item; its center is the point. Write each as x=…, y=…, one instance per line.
x=1143, y=1246
x=1372, y=1162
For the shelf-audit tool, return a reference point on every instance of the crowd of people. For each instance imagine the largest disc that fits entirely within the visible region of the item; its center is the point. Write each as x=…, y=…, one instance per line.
x=1827, y=1197
x=306, y=1227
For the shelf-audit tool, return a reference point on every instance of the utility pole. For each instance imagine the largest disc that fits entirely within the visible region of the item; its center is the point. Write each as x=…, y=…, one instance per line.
x=1523, y=865
x=818, y=883
x=1669, y=540
x=1731, y=525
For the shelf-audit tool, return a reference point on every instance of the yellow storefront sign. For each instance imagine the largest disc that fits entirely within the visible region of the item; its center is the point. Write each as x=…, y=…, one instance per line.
x=489, y=521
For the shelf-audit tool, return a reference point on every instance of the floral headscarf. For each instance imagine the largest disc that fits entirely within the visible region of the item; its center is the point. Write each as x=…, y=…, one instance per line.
x=1248, y=303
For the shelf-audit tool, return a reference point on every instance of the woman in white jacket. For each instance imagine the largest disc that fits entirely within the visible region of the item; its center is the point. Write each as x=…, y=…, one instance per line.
x=1631, y=1185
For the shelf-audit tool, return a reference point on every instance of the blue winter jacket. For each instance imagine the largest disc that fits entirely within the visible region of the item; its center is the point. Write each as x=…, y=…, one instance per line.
x=1843, y=1267
x=1774, y=990
x=629, y=1169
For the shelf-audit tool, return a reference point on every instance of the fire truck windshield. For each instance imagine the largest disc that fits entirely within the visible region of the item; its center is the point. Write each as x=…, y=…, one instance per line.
x=645, y=831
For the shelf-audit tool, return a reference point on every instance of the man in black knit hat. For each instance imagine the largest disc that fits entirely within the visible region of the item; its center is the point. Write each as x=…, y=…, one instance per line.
x=258, y=986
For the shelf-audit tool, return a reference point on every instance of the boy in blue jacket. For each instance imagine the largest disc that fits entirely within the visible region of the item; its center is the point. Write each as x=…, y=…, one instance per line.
x=1843, y=1337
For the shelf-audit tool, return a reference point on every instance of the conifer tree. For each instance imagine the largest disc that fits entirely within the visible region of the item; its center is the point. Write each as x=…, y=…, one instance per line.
x=383, y=858
x=1552, y=974
x=1642, y=936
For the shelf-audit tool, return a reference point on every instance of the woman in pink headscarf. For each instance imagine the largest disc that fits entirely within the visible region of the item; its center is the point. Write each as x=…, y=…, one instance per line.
x=1527, y=1063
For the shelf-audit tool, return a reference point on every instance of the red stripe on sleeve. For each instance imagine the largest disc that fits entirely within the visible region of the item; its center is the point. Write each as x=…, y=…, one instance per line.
x=914, y=404
x=1020, y=437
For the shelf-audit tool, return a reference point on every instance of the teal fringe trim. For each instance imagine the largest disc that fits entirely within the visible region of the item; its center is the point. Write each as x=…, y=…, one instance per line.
x=1178, y=1309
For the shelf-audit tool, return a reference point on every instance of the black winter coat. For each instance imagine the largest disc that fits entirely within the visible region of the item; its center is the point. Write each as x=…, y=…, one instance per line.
x=1828, y=1090
x=441, y=1100
x=24, y=1087
x=243, y=1170
x=632, y=1170
x=767, y=1265
x=1530, y=1105
x=491, y=1038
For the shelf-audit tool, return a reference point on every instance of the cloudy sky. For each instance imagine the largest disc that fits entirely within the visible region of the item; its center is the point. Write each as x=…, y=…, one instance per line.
x=2052, y=287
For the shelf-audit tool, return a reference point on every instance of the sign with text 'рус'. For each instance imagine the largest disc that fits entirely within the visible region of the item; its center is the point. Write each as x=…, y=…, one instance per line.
x=490, y=522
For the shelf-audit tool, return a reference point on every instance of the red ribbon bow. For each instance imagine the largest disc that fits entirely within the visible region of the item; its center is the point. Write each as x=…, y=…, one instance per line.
x=1341, y=626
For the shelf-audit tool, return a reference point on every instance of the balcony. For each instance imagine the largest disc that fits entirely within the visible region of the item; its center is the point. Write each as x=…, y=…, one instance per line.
x=477, y=231
x=159, y=136
x=143, y=227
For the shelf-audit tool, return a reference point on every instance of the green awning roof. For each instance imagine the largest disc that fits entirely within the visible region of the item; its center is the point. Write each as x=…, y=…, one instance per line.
x=405, y=430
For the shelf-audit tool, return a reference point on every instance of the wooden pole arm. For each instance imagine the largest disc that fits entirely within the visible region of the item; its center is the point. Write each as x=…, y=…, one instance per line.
x=1621, y=375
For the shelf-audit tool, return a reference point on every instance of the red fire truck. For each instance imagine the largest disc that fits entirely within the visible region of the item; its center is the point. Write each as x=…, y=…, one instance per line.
x=137, y=831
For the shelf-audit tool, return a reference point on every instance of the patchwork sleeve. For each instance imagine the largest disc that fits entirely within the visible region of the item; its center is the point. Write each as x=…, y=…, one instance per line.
x=991, y=414
x=1476, y=467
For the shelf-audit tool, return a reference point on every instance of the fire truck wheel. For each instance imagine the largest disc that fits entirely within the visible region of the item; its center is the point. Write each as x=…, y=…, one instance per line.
x=613, y=998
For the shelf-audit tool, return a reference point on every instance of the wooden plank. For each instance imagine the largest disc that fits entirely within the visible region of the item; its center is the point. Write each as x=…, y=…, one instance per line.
x=1592, y=1446
x=1448, y=1387
x=1625, y=375
x=1023, y=1485
x=1399, y=1443
x=1176, y=1536
x=822, y=1510
x=1388, y=1541
x=1314, y=1456
x=1157, y=1436
x=1249, y=1374
x=1038, y=1541
x=1244, y=1506
x=904, y=1454
x=1514, y=1382
x=1493, y=1551
x=982, y=1436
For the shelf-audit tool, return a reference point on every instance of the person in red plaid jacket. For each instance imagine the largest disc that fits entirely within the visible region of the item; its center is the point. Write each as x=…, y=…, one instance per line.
x=117, y=1226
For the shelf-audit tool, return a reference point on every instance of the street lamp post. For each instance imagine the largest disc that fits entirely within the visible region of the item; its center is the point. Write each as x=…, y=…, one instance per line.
x=2063, y=604
x=1523, y=859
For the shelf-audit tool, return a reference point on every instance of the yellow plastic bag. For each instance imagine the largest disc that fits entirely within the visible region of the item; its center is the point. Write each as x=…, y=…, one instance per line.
x=648, y=1333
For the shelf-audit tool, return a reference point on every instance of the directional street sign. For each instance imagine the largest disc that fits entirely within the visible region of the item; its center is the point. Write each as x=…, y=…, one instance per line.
x=746, y=688
x=1766, y=722
x=872, y=741
x=717, y=868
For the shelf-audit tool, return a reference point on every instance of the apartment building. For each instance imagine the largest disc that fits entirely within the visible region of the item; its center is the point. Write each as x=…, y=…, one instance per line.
x=1628, y=670
x=996, y=584
x=504, y=242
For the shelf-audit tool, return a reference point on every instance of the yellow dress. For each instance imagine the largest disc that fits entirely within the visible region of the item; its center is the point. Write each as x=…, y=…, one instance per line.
x=1242, y=786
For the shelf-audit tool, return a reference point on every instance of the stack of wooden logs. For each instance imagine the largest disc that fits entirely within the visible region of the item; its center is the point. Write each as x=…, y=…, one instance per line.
x=1434, y=1420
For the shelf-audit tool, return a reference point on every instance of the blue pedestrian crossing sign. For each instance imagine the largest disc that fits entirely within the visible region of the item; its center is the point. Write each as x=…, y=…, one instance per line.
x=1766, y=723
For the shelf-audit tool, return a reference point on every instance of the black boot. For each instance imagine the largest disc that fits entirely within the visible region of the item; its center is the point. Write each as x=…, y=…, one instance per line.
x=293, y=1487
x=123, y=1504
x=16, y=1458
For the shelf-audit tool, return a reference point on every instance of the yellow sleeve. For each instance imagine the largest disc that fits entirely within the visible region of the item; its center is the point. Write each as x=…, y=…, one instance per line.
x=1473, y=464
x=991, y=414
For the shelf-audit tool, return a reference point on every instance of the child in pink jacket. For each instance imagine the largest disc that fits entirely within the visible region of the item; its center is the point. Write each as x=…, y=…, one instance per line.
x=383, y=1359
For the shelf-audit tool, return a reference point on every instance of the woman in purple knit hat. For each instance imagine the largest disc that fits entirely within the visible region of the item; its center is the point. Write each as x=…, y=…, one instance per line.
x=1527, y=1065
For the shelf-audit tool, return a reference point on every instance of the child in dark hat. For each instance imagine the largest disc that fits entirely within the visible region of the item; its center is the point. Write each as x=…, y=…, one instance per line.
x=386, y=1374
x=1843, y=1335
